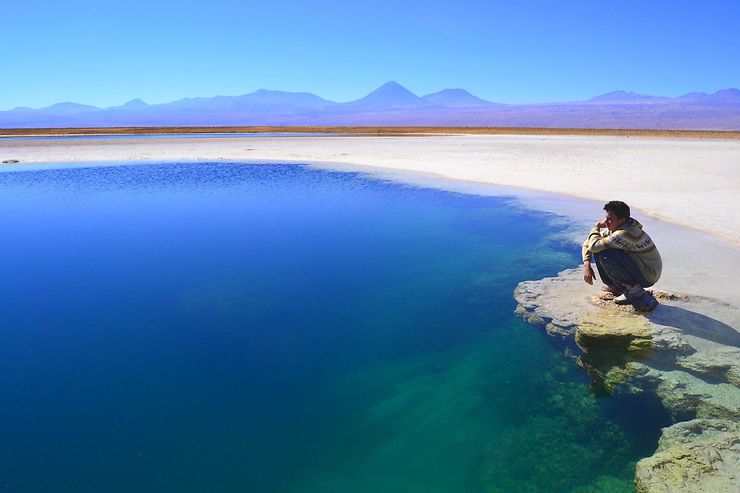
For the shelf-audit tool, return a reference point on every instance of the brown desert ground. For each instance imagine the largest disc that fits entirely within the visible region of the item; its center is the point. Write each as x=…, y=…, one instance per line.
x=389, y=131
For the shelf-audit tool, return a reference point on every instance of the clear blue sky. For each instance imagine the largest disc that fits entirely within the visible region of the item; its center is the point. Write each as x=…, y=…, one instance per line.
x=105, y=53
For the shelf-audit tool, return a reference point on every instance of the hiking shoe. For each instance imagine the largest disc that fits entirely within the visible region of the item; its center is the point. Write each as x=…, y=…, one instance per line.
x=628, y=297
x=622, y=299
x=645, y=302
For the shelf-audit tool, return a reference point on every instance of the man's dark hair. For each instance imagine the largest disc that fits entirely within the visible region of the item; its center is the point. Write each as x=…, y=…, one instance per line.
x=619, y=208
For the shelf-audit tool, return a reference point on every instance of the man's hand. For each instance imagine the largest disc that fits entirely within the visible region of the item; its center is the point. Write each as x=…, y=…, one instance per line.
x=601, y=224
x=588, y=273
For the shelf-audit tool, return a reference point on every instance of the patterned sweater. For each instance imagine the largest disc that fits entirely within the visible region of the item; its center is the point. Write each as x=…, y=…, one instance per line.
x=632, y=239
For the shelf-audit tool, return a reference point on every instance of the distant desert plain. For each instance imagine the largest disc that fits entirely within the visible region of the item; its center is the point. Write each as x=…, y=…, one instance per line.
x=366, y=130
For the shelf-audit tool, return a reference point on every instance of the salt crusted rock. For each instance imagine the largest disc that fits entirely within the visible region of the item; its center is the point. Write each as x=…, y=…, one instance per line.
x=702, y=455
x=686, y=352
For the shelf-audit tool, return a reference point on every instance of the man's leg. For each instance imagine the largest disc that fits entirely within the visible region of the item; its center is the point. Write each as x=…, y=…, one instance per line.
x=619, y=270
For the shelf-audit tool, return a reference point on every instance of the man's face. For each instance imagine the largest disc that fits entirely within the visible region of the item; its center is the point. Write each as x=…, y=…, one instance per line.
x=612, y=221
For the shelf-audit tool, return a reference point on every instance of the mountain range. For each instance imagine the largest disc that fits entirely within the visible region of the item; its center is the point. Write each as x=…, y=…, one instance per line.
x=392, y=104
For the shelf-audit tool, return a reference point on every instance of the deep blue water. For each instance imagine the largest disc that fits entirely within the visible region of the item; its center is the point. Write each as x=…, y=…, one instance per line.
x=276, y=328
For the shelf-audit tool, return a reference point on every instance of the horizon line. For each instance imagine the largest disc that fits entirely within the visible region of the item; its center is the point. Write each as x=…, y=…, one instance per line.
x=388, y=83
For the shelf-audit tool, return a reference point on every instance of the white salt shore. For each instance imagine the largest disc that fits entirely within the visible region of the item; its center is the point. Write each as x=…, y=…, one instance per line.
x=690, y=182
x=686, y=192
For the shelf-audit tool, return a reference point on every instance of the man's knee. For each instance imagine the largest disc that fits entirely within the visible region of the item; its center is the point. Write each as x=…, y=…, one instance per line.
x=614, y=257
x=620, y=268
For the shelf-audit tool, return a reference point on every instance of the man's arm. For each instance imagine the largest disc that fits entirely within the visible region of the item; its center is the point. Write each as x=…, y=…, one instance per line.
x=588, y=272
x=595, y=242
x=593, y=238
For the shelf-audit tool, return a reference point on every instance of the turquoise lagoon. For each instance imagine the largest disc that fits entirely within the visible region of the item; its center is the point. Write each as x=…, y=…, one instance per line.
x=276, y=328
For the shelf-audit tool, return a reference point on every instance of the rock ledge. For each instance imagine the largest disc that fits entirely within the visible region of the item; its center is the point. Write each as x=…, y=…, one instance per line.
x=686, y=352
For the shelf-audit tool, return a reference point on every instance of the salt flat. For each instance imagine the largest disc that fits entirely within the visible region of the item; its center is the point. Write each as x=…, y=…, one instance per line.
x=690, y=182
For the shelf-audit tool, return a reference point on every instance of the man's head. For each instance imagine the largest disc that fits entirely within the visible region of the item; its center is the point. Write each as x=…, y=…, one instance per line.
x=617, y=212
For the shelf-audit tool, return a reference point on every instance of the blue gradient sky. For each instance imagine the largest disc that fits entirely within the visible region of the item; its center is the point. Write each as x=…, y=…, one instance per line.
x=526, y=51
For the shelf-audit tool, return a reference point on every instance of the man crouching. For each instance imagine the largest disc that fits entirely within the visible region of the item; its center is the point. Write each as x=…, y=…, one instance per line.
x=626, y=257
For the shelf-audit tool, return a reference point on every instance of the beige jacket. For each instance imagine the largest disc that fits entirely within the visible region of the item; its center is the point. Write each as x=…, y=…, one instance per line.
x=632, y=239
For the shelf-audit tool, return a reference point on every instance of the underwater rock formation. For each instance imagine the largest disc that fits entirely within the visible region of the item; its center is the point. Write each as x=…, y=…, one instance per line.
x=686, y=352
x=701, y=455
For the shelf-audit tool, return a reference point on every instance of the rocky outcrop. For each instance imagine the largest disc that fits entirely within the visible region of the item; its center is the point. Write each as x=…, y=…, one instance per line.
x=686, y=352
x=696, y=456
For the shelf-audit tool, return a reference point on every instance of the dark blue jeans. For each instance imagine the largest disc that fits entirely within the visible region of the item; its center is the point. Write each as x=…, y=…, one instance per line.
x=617, y=268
